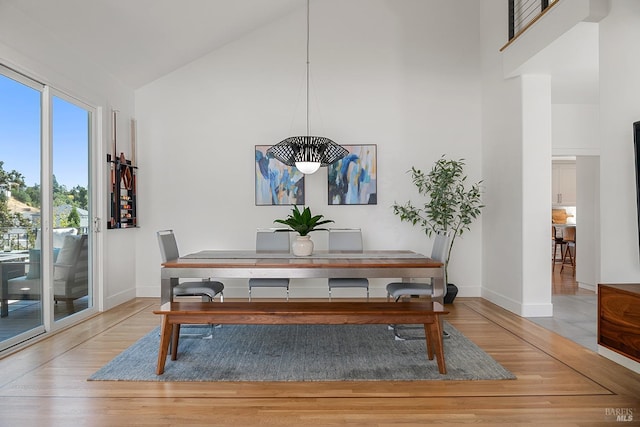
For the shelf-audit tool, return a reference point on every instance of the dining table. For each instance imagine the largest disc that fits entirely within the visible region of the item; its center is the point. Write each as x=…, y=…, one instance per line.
x=393, y=264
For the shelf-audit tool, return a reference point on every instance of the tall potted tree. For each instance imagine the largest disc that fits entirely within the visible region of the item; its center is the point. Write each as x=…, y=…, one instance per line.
x=450, y=207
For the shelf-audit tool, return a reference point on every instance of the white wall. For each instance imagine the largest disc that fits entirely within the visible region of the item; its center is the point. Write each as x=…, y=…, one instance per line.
x=517, y=135
x=619, y=108
x=29, y=49
x=576, y=129
x=536, y=180
x=617, y=260
x=395, y=74
x=588, y=209
x=502, y=154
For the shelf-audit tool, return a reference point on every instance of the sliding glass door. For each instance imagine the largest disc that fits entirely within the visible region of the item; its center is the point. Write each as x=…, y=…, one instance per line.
x=21, y=308
x=70, y=142
x=45, y=208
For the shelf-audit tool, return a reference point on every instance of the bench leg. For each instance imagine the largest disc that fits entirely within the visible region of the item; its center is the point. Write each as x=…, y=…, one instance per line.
x=174, y=341
x=165, y=338
x=429, y=340
x=433, y=331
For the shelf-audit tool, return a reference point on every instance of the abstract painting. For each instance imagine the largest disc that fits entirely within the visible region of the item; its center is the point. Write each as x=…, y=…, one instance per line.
x=277, y=183
x=353, y=179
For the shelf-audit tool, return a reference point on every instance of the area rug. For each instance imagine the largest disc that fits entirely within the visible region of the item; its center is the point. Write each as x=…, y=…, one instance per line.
x=302, y=353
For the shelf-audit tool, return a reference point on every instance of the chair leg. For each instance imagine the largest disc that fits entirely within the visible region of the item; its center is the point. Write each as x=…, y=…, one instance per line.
x=395, y=328
x=555, y=253
x=567, y=251
x=209, y=335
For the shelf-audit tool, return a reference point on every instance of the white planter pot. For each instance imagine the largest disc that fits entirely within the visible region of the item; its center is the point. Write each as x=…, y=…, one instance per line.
x=302, y=246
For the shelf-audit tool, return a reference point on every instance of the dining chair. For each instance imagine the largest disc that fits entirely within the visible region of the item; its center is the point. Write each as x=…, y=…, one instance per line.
x=347, y=240
x=397, y=290
x=271, y=240
x=206, y=289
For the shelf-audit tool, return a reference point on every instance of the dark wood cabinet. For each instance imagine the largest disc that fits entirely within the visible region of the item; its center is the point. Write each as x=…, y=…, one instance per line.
x=619, y=318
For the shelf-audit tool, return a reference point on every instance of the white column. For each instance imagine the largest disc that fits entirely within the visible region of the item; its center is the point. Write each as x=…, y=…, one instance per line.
x=536, y=190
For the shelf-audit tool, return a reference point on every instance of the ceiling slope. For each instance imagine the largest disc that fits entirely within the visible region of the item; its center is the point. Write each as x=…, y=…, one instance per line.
x=142, y=40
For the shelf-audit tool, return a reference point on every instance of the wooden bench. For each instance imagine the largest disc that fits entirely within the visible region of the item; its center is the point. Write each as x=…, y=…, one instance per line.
x=175, y=314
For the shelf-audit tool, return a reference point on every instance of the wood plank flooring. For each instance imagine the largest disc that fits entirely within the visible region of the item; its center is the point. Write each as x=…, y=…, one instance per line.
x=558, y=383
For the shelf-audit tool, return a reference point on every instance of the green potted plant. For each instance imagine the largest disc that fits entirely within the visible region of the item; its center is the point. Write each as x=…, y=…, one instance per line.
x=450, y=205
x=303, y=223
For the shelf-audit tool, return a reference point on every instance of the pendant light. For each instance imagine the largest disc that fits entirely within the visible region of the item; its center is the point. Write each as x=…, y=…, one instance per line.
x=307, y=153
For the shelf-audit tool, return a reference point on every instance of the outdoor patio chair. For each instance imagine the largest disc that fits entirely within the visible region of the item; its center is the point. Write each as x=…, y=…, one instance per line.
x=70, y=274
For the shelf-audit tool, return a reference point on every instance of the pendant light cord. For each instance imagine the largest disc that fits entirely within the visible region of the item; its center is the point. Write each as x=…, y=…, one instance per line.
x=306, y=153
x=308, y=24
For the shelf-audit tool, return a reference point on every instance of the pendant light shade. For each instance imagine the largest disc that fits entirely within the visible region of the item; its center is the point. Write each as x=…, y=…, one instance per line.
x=307, y=153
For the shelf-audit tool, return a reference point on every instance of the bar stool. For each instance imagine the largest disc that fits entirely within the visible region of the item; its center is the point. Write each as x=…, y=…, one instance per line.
x=569, y=237
x=557, y=242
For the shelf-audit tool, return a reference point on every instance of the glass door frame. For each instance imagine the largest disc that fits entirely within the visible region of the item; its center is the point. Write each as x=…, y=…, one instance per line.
x=95, y=194
x=93, y=187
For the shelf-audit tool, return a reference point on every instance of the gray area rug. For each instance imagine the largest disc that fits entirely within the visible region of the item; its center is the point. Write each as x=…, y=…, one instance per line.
x=302, y=353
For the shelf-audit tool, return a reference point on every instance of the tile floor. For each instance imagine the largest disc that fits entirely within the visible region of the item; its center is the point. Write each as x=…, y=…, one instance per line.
x=574, y=317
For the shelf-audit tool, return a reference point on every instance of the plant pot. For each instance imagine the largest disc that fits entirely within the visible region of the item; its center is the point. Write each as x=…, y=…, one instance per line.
x=452, y=291
x=302, y=246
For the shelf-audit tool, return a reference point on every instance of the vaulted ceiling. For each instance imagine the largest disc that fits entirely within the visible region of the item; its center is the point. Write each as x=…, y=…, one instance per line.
x=138, y=41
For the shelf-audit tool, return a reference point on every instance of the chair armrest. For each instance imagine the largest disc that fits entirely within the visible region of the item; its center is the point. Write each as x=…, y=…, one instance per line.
x=10, y=270
x=61, y=271
x=63, y=265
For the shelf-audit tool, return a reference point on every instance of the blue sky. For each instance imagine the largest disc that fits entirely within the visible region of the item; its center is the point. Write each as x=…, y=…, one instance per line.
x=20, y=135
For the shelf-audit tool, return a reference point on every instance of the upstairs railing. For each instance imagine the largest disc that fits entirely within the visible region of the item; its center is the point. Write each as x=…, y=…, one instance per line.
x=523, y=13
x=22, y=239
x=16, y=239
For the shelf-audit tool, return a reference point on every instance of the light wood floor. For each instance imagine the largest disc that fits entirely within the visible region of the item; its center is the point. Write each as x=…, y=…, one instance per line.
x=558, y=383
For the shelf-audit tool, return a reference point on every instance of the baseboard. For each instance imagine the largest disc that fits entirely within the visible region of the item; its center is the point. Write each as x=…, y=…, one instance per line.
x=119, y=298
x=592, y=288
x=524, y=310
x=619, y=359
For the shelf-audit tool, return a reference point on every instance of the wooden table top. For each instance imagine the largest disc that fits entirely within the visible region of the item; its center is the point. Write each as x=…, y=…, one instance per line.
x=302, y=307
x=320, y=259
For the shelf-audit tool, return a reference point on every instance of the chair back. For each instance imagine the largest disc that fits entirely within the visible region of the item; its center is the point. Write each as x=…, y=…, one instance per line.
x=71, y=269
x=347, y=239
x=569, y=234
x=272, y=240
x=168, y=245
x=439, y=253
x=440, y=247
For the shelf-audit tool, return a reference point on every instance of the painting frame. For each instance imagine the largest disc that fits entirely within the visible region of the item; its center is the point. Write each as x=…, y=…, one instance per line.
x=276, y=184
x=353, y=180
